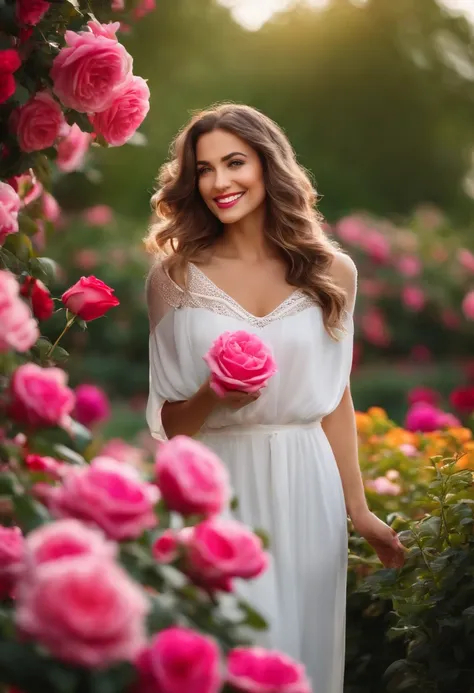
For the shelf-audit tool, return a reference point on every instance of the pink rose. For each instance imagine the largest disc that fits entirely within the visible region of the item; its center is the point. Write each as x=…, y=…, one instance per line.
x=121, y=451
x=84, y=610
x=19, y=329
x=374, y=327
x=89, y=72
x=166, y=547
x=179, y=660
x=51, y=209
x=220, y=549
x=29, y=188
x=413, y=298
x=351, y=229
x=468, y=305
x=448, y=420
x=466, y=259
x=255, y=670
x=10, y=204
x=65, y=539
x=376, y=246
x=39, y=123
x=425, y=417
x=239, y=361
x=408, y=450
x=143, y=8
x=72, y=148
x=191, y=478
x=31, y=11
x=99, y=215
x=383, y=486
x=409, y=265
x=109, y=494
x=423, y=394
x=45, y=465
x=40, y=396
x=89, y=298
x=125, y=114
x=92, y=405
x=12, y=548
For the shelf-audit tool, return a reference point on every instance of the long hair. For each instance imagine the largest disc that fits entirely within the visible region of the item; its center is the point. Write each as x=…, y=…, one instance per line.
x=185, y=229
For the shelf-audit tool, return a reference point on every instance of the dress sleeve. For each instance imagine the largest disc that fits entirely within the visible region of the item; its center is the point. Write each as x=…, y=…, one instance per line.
x=165, y=378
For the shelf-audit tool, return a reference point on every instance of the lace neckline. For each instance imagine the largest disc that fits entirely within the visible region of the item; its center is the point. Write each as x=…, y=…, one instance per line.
x=217, y=291
x=201, y=292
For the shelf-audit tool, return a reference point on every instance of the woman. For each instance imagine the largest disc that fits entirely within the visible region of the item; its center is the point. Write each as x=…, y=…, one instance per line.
x=245, y=250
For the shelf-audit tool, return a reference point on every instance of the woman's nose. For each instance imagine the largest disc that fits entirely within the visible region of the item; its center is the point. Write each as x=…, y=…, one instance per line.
x=222, y=180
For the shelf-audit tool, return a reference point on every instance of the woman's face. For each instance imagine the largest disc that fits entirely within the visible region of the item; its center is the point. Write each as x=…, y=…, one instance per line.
x=230, y=176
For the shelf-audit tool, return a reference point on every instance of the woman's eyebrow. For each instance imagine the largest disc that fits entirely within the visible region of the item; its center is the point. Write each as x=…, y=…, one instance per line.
x=225, y=158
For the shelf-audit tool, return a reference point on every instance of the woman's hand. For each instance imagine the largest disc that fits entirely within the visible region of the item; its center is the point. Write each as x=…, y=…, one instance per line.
x=234, y=399
x=382, y=538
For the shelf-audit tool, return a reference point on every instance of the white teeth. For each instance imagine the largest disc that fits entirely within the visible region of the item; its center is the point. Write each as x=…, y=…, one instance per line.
x=226, y=200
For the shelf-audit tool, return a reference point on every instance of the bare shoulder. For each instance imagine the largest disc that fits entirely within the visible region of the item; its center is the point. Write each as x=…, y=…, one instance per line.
x=344, y=272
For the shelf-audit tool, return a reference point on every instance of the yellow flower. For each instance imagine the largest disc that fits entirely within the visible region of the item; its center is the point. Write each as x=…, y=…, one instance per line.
x=398, y=436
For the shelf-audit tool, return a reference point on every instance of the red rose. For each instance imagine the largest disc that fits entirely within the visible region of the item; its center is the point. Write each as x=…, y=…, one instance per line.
x=41, y=301
x=9, y=63
x=462, y=399
x=89, y=298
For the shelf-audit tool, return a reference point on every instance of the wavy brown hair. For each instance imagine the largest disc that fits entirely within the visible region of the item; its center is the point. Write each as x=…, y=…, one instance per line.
x=185, y=229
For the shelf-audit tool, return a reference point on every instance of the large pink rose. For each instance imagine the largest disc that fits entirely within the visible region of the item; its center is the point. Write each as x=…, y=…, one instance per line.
x=40, y=396
x=425, y=417
x=89, y=298
x=84, y=610
x=92, y=68
x=191, y=478
x=39, y=123
x=19, y=330
x=10, y=204
x=219, y=549
x=12, y=549
x=239, y=361
x=64, y=539
x=255, y=670
x=92, y=405
x=126, y=113
x=109, y=494
x=179, y=660
x=31, y=11
x=72, y=148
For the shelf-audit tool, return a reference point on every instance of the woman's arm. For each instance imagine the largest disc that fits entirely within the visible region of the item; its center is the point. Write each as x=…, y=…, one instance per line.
x=188, y=417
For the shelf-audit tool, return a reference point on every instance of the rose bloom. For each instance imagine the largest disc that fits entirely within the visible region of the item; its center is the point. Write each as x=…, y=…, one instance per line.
x=462, y=399
x=46, y=465
x=239, y=361
x=468, y=305
x=31, y=11
x=466, y=259
x=423, y=394
x=92, y=68
x=51, y=209
x=255, y=670
x=64, y=539
x=12, y=549
x=179, y=660
x=19, y=329
x=383, y=486
x=409, y=265
x=72, y=148
x=110, y=494
x=98, y=215
x=166, y=547
x=40, y=297
x=191, y=478
x=126, y=113
x=219, y=549
x=10, y=62
x=84, y=610
x=92, y=405
x=10, y=204
x=89, y=298
x=39, y=123
x=413, y=298
x=40, y=396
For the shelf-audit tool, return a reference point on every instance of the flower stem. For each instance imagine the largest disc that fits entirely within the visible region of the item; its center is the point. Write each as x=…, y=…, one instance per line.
x=68, y=325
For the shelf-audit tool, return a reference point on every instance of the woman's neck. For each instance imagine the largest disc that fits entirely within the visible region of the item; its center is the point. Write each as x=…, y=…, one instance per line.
x=245, y=240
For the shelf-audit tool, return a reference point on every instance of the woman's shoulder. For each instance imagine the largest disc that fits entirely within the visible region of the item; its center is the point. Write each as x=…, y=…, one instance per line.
x=344, y=273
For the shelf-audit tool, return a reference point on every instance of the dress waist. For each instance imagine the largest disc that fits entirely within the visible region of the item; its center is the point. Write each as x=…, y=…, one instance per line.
x=249, y=429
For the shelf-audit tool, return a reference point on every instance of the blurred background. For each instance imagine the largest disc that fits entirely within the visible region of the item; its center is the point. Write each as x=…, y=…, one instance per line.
x=377, y=98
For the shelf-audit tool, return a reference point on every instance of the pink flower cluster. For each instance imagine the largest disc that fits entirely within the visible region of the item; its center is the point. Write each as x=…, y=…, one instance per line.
x=10, y=205
x=426, y=417
x=40, y=396
x=74, y=599
x=179, y=659
x=92, y=405
x=19, y=330
x=93, y=74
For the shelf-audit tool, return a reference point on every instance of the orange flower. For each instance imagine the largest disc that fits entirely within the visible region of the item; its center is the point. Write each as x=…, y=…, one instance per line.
x=467, y=459
x=377, y=413
x=363, y=422
x=462, y=435
x=398, y=436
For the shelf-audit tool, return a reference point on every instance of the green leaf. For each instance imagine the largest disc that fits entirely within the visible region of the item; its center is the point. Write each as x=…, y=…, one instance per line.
x=81, y=436
x=29, y=513
x=264, y=537
x=80, y=119
x=252, y=618
x=64, y=453
x=43, y=268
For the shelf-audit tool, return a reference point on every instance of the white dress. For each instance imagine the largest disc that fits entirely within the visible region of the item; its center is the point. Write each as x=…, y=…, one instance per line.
x=281, y=465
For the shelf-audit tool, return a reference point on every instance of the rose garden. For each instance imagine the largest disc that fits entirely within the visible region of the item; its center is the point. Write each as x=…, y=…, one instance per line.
x=117, y=573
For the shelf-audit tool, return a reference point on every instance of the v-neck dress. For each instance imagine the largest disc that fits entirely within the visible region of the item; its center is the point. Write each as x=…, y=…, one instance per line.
x=281, y=465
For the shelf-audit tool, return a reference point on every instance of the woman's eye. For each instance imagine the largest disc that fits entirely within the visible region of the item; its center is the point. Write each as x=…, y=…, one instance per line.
x=236, y=163
x=203, y=170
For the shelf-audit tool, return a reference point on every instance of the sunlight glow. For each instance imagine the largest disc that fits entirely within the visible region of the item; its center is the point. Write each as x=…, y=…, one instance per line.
x=252, y=14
